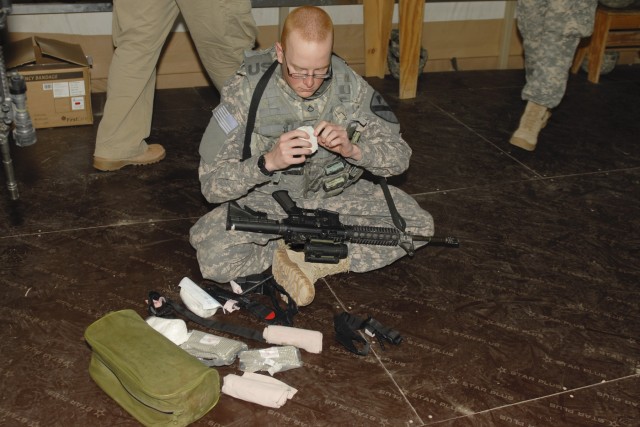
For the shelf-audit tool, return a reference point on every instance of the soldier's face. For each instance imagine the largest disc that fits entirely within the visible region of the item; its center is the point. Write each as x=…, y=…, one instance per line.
x=305, y=64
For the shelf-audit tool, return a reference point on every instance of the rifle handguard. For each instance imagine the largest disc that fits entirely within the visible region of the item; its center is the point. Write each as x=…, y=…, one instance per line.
x=320, y=231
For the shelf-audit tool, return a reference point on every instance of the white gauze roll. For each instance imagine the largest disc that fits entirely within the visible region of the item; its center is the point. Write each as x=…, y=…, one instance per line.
x=256, y=388
x=305, y=339
x=312, y=139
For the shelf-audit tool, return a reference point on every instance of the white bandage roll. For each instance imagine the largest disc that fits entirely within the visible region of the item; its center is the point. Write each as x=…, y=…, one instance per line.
x=305, y=339
x=312, y=139
x=257, y=388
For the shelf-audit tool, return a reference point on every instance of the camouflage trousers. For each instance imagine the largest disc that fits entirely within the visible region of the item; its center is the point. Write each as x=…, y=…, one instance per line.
x=225, y=255
x=551, y=31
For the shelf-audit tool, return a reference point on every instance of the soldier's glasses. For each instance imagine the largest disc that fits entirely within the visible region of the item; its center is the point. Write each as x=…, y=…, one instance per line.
x=302, y=76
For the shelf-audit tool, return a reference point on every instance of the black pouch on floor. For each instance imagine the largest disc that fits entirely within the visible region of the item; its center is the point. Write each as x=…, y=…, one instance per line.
x=153, y=379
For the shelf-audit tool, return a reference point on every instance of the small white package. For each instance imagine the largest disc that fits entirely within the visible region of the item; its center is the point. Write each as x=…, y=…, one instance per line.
x=197, y=299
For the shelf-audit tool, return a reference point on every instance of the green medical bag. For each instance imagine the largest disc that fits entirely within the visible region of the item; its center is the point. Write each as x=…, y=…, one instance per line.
x=153, y=379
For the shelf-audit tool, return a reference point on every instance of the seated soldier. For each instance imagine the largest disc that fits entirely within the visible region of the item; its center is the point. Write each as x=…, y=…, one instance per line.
x=356, y=130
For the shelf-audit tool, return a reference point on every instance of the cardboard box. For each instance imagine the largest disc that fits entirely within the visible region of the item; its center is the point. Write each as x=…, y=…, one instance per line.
x=58, y=81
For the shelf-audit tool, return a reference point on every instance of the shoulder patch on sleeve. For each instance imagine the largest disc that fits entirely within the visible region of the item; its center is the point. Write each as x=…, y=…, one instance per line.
x=225, y=119
x=380, y=108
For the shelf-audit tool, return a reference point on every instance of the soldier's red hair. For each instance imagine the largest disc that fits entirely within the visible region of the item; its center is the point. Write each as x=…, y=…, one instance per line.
x=308, y=22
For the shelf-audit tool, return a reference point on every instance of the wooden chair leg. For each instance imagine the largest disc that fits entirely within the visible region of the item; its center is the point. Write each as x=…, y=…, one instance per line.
x=581, y=52
x=597, y=45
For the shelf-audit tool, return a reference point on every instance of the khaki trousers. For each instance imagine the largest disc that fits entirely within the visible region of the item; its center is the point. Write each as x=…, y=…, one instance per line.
x=221, y=30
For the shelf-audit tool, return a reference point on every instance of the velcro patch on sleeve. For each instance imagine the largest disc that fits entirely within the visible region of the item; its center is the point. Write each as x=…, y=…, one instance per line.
x=225, y=119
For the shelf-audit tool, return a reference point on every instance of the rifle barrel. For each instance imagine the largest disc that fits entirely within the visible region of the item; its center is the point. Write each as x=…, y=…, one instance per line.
x=449, y=241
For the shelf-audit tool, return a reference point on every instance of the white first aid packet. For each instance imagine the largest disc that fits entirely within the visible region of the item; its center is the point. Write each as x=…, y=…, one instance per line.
x=197, y=299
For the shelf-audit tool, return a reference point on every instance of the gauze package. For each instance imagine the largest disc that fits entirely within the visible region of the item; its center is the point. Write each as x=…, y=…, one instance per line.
x=272, y=359
x=174, y=329
x=197, y=299
x=213, y=350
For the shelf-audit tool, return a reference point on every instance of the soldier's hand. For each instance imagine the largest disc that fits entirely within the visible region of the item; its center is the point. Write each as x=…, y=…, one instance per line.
x=290, y=149
x=334, y=138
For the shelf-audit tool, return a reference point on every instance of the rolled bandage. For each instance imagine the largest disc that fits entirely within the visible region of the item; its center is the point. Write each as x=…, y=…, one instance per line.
x=257, y=388
x=312, y=139
x=305, y=339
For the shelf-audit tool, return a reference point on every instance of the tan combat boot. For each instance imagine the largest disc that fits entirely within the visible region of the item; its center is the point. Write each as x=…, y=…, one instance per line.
x=154, y=153
x=297, y=277
x=533, y=119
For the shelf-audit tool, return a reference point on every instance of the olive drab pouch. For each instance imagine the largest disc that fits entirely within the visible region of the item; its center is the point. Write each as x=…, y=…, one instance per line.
x=153, y=379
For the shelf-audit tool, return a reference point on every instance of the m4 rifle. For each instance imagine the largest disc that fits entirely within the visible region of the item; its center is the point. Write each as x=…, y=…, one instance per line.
x=320, y=233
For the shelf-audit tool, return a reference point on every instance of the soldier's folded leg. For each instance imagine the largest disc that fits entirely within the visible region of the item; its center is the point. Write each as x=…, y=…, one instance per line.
x=298, y=277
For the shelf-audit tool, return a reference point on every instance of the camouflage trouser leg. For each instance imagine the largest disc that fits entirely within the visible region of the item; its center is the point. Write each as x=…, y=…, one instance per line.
x=224, y=255
x=551, y=31
x=366, y=205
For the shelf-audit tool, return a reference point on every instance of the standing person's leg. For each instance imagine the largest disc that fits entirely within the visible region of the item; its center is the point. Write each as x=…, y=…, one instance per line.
x=551, y=30
x=140, y=29
x=532, y=21
x=221, y=31
x=551, y=37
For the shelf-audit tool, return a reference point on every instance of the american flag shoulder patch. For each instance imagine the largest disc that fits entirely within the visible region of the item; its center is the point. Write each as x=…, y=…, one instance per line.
x=225, y=119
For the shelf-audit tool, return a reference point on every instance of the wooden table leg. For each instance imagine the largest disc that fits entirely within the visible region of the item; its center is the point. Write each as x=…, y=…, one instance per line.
x=411, y=21
x=377, y=30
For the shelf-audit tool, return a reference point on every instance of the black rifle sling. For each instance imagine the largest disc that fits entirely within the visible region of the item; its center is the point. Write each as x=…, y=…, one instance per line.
x=398, y=221
x=253, y=109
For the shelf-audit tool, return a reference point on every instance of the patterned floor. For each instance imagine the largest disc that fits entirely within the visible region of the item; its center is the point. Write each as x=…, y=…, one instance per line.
x=533, y=321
